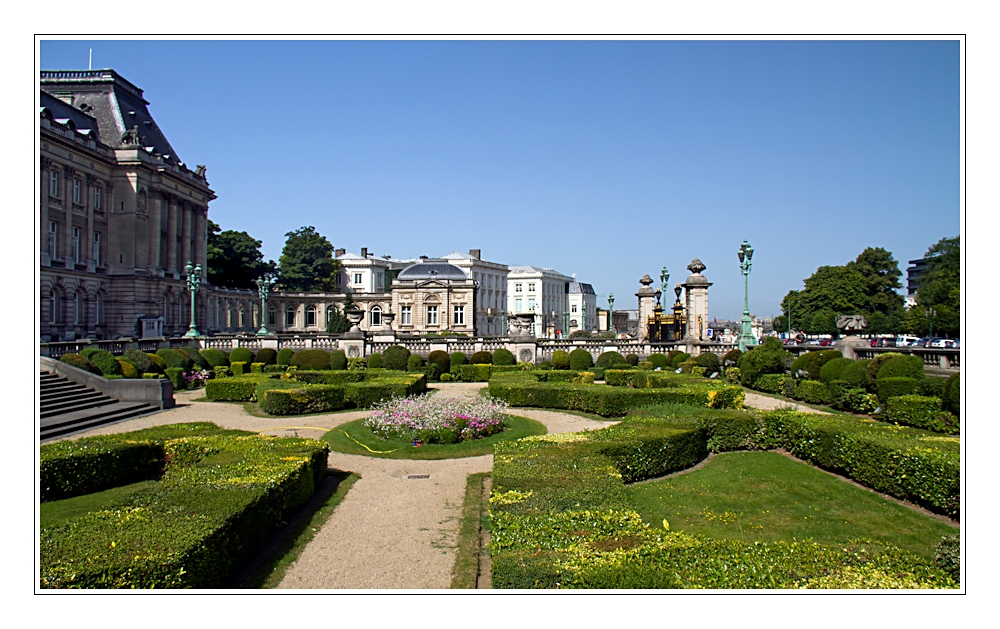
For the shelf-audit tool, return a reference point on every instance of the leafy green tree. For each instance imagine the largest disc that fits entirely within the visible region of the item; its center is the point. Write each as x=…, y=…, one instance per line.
x=234, y=258
x=337, y=322
x=881, y=280
x=307, y=264
x=940, y=290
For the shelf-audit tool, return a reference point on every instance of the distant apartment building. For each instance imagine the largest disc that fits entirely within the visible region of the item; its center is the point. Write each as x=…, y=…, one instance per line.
x=914, y=272
x=543, y=292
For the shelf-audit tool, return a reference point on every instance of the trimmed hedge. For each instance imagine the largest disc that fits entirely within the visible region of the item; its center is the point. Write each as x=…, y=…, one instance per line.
x=129, y=370
x=951, y=399
x=78, y=361
x=895, y=387
x=267, y=356
x=874, y=366
x=198, y=361
x=92, y=464
x=834, y=369
x=395, y=358
x=308, y=398
x=772, y=382
x=503, y=357
x=215, y=357
x=176, y=376
x=311, y=359
x=474, y=373
x=414, y=363
x=856, y=374
x=235, y=389
x=709, y=362
x=175, y=359
x=560, y=359
x=632, y=359
x=457, y=359
x=161, y=365
x=813, y=362
x=580, y=359
x=902, y=366
x=608, y=359
x=242, y=355
x=285, y=355
x=659, y=360
x=482, y=358
x=375, y=360
x=238, y=368
x=141, y=361
x=921, y=412
x=768, y=357
x=812, y=391
x=359, y=363
x=732, y=357
x=232, y=491
x=103, y=360
x=338, y=360
x=678, y=358
x=441, y=359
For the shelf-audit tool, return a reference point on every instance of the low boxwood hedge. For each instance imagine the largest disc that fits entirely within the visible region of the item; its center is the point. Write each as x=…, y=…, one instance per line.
x=235, y=389
x=921, y=412
x=215, y=357
x=103, y=360
x=812, y=391
x=78, y=361
x=476, y=372
x=895, y=387
x=951, y=398
x=902, y=366
x=85, y=466
x=219, y=497
x=771, y=382
x=241, y=354
x=308, y=398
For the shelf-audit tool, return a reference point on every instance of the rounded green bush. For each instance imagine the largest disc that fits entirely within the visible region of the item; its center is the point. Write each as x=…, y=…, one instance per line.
x=175, y=359
x=732, y=357
x=338, y=360
x=309, y=359
x=375, y=360
x=285, y=355
x=198, y=359
x=679, y=358
x=414, y=363
x=874, y=366
x=141, y=361
x=902, y=366
x=395, y=358
x=87, y=352
x=708, y=361
x=856, y=374
x=267, y=356
x=161, y=365
x=241, y=355
x=446, y=377
x=760, y=360
x=104, y=361
x=215, y=357
x=560, y=359
x=458, y=359
x=607, y=359
x=951, y=399
x=632, y=359
x=129, y=370
x=932, y=387
x=503, y=357
x=546, y=364
x=660, y=360
x=834, y=369
x=481, y=358
x=78, y=361
x=580, y=359
x=441, y=359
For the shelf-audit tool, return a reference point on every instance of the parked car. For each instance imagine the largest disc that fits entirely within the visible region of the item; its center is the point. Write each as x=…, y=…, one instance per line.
x=946, y=343
x=827, y=342
x=905, y=341
x=883, y=342
x=927, y=341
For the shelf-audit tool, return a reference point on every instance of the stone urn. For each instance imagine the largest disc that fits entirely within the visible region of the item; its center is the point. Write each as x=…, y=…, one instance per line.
x=354, y=316
x=522, y=325
x=387, y=319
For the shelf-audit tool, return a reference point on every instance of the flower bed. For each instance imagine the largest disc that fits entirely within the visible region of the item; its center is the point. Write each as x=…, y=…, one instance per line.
x=435, y=419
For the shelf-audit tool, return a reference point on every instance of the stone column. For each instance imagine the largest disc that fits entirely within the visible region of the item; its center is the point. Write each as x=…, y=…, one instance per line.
x=201, y=238
x=696, y=298
x=89, y=204
x=186, y=212
x=155, y=228
x=172, y=233
x=68, y=175
x=46, y=167
x=647, y=302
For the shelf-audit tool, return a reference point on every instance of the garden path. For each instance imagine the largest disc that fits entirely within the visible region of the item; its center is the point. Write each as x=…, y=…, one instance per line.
x=767, y=403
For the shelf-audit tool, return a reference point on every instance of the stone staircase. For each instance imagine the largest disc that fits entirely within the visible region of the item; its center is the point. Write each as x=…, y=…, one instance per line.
x=68, y=407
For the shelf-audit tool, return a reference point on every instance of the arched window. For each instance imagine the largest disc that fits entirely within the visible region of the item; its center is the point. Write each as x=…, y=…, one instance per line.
x=272, y=315
x=311, y=316
x=243, y=320
x=290, y=317
x=375, y=317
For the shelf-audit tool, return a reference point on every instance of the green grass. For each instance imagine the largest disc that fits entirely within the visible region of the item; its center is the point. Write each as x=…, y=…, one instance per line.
x=475, y=519
x=58, y=511
x=517, y=428
x=284, y=546
x=767, y=496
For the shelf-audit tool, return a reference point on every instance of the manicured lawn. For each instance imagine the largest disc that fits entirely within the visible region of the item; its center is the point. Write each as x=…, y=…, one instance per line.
x=767, y=496
x=58, y=511
x=517, y=428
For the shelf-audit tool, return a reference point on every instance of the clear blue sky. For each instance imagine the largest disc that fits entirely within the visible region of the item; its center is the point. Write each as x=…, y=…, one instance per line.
x=605, y=159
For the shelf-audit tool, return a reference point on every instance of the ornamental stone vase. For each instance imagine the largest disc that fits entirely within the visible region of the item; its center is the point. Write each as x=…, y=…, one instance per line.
x=354, y=316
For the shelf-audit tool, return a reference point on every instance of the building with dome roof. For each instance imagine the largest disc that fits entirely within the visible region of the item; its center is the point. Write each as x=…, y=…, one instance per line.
x=433, y=296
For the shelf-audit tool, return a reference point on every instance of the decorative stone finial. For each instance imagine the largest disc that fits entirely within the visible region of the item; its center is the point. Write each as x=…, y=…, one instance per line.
x=696, y=266
x=646, y=280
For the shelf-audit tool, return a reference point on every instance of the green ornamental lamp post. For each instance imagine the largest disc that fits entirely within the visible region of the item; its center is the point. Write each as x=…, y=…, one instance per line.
x=746, y=338
x=566, y=324
x=583, y=316
x=611, y=312
x=664, y=276
x=263, y=289
x=193, y=283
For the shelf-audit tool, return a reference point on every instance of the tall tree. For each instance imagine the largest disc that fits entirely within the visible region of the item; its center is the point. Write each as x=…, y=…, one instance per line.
x=234, y=258
x=940, y=290
x=307, y=264
x=881, y=280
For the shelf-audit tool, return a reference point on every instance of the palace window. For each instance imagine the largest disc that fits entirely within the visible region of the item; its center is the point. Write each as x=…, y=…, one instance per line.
x=311, y=316
x=76, y=191
x=357, y=278
x=432, y=315
x=271, y=315
x=53, y=239
x=97, y=310
x=517, y=304
x=54, y=308
x=243, y=320
x=459, y=315
x=375, y=317
x=289, y=317
x=405, y=315
x=76, y=245
x=531, y=304
x=573, y=309
x=255, y=315
x=531, y=288
x=97, y=199
x=97, y=249
x=54, y=184
x=78, y=309
x=517, y=288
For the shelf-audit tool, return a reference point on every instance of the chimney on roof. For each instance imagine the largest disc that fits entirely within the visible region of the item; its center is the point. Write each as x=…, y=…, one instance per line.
x=387, y=257
x=475, y=253
x=339, y=252
x=422, y=258
x=364, y=252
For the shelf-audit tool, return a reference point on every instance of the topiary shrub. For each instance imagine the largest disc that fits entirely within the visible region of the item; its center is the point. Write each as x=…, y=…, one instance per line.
x=103, y=360
x=457, y=360
x=78, y=361
x=874, y=366
x=560, y=359
x=580, y=359
x=632, y=359
x=732, y=357
x=951, y=398
x=267, y=356
x=607, y=359
x=129, y=370
x=932, y=387
x=198, y=359
x=686, y=366
x=241, y=354
x=856, y=374
x=285, y=355
x=215, y=357
x=395, y=358
x=375, y=360
x=902, y=366
x=482, y=358
x=446, y=377
x=161, y=364
x=834, y=369
x=141, y=361
x=812, y=362
x=766, y=358
x=175, y=359
x=338, y=360
x=310, y=359
x=812, y=391
x=671, y=355
x=546, y=365
x=679, y=358
x=709, y=362
x=442, y=360
x=359, y=363
x=503, y=357
x=895, y=387
x=659, y=360
x=645, y=365
x=176, y=376
x=414, y=363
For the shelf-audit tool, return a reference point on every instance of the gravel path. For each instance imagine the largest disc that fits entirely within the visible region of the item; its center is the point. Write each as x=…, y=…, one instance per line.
x=391, y=531
x=767, y=403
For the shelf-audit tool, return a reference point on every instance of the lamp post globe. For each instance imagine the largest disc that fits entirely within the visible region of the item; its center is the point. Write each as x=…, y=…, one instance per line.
x=263, y=290
x=193, y=284
x=746, y=338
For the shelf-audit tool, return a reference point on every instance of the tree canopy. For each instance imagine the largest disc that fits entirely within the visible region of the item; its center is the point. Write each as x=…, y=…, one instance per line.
x=234, y=258
x=941, y=290
x=866, y=286
x=307, y=264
